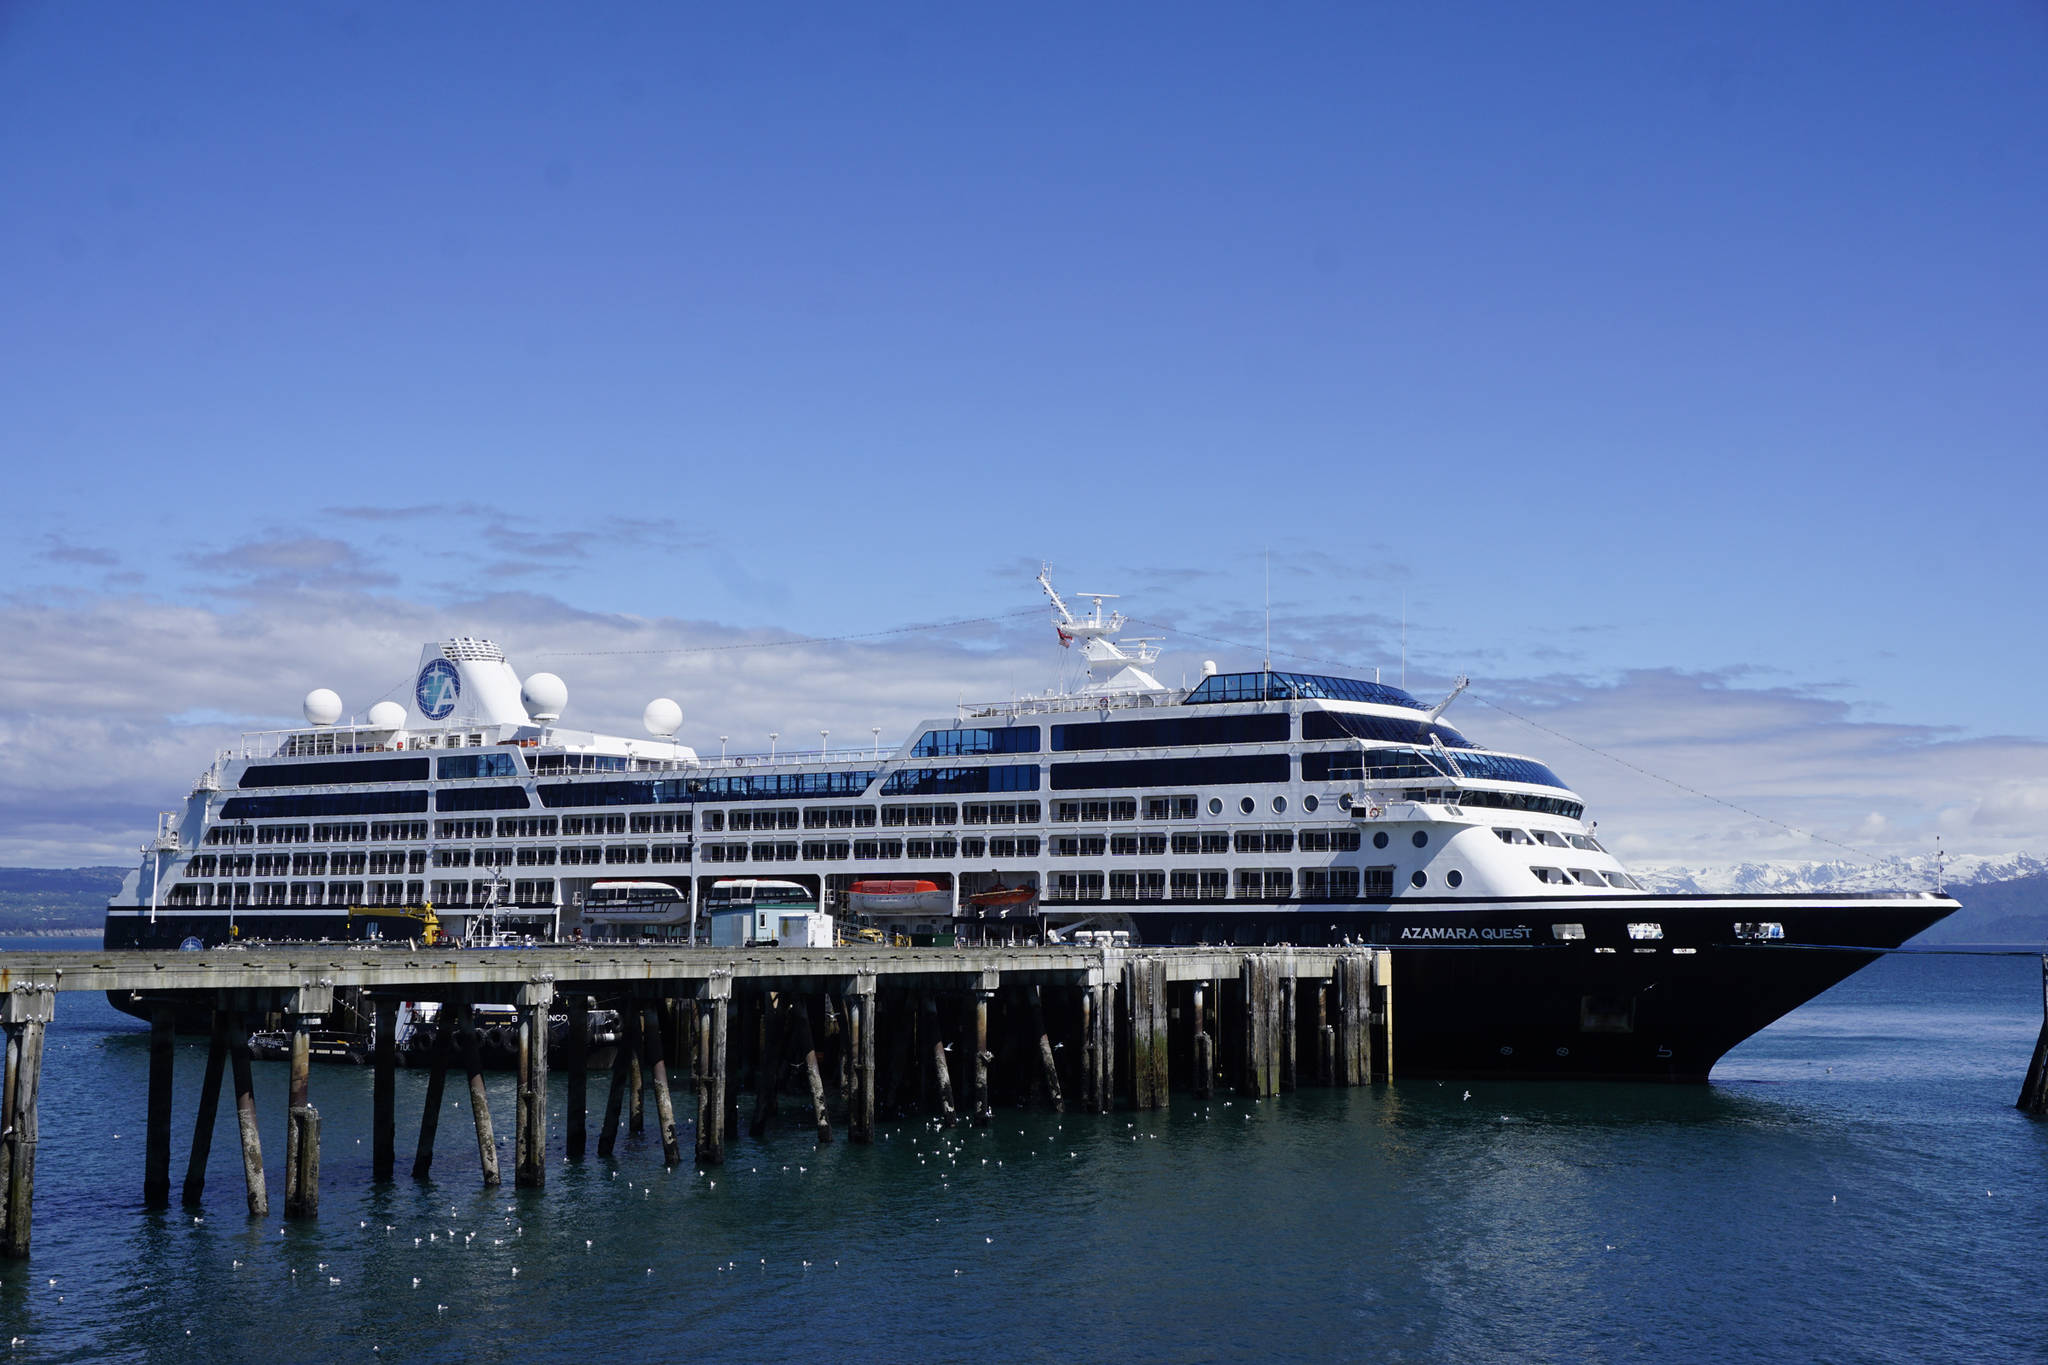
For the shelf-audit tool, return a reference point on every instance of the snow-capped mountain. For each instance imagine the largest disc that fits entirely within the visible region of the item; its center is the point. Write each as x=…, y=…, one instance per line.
x=1894, y=874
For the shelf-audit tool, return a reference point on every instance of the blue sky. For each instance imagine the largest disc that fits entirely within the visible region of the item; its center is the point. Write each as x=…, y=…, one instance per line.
x=1670, y=342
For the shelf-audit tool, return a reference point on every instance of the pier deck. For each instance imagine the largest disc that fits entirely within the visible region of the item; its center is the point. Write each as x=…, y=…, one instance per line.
x=880, y=1022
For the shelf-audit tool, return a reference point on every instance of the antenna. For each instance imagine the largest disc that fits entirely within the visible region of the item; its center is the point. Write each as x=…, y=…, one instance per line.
x=1269, y=609
x=1404, y=639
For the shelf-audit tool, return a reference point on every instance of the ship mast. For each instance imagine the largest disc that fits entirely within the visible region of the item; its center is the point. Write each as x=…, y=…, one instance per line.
x=1113, y=665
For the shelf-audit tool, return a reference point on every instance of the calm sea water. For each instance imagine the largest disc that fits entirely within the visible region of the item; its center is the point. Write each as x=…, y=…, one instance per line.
x=1854, y=1185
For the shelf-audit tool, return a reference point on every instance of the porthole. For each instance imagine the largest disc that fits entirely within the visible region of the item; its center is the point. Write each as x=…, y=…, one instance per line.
x=1379, y=839
x=1279, y=805
x=1343, y=801
x=1309, y=803
x=1454, y=880
x=1247, y=805
x=1419, y=838
x=1418, y=878
x=1215, y=805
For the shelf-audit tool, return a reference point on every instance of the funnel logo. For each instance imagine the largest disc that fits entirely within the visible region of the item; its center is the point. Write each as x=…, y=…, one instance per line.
x=437, y=689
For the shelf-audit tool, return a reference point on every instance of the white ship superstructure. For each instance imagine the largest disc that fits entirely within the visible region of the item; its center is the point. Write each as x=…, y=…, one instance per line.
x=1258, y=793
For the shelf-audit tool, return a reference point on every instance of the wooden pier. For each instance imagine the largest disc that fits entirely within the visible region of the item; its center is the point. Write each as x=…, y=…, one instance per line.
x=951, y=1032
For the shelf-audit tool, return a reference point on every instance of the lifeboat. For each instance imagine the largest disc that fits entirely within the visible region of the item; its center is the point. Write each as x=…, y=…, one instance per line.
x=899, y=897
x=1003, y=901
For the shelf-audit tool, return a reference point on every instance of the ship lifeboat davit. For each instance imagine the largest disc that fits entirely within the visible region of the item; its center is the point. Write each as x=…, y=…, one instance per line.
x=1002, y=902
x=899, y=897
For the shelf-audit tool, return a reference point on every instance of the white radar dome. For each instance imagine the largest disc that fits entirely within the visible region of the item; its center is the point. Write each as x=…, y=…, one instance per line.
x=544, y=695
x=387, y=715
x=1208, y=668
x=322, y=706
x=662, y=717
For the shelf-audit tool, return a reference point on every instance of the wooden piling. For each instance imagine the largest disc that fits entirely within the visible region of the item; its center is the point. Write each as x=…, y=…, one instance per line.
x=530, y=1120
x=1048, y=1064
x=1105, y=1033
x=579, y=1075
x=622, y=1077
x=1091, y=1073
x=655, y=1040
x=302, y=1128
x=1352, y=988
x=209, y=1108
x=25, y=1015
x=479, y=1104
x=805, y=1046
x=383, y=1088
x=1145, y=989
x=245, y=1114
x=860, y=1023
x=443, y=1052
x=1205, y=1046
x=839, y=1040
x=1260, y=976
x=156, y=1165
x=1289, y=1037
x=983, y=1110
x=2034, y=1089
x=711, y=1072
x=1326, y=1036
x=934, y=1038
x=636, y=1075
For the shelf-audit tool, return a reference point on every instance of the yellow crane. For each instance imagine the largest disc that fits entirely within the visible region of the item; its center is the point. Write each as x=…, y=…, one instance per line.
x=421, y=914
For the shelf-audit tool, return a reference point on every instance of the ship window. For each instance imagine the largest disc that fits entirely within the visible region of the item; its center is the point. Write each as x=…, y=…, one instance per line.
x=1279, y=805
x=1759, y=931
x=1383, y=729
x=1588, y=877
x=1377, y=883
x=1568, y=933
x=1177, y=732
x=1379, y=838
x=1171, y=808
x=1454, y=879
x=1645, y=932
x=1215, y=805
x=1309, y=803
x=1329, y=883
x=1587, y=842
x=477, y=765
x=1418, y=878
x=1247, y=805
x=1551, y=839
x=1015, y=739
x=1420, y=838
x=1344, y=801
x=1220, y=771
x=1551, y=876
x=1514, y=836
x=1269, y=686
x=334, y=774
x=1622, y=880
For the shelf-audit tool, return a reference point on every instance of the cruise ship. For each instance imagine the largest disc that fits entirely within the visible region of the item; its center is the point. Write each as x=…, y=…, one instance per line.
x=1255, y=808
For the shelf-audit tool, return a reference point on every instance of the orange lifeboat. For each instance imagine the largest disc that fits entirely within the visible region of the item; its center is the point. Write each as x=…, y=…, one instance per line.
x=899, y=896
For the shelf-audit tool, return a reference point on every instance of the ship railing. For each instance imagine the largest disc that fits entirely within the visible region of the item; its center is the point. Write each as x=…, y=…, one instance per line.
x=1071, y=702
